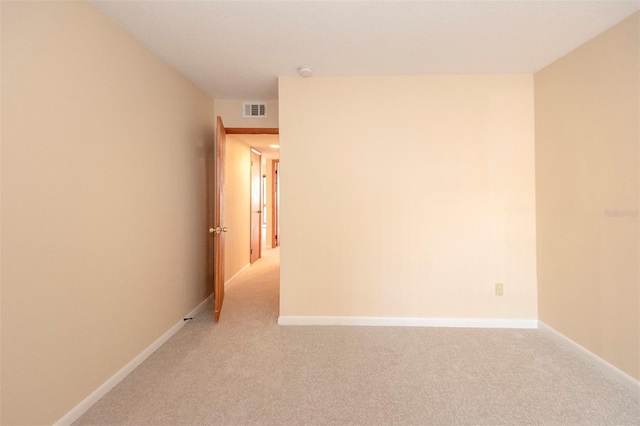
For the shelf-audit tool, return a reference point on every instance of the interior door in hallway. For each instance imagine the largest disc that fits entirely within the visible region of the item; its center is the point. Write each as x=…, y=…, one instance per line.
x=219, y=229
x=256, y=205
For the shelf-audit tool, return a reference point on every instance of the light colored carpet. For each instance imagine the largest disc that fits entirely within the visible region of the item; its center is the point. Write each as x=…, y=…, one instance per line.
x=248, y=370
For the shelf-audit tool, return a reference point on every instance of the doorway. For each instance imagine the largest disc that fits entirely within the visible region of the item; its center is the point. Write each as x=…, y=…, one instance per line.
x=239, y=211
x=236, y=175
x=275, y=203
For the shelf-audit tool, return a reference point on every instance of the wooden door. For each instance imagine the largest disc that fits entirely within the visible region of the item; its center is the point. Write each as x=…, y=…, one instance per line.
x=219, y=229
x=256, y=205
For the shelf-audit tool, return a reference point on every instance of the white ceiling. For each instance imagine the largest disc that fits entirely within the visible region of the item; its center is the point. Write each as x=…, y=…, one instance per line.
x=237, y=49
x=261, y=143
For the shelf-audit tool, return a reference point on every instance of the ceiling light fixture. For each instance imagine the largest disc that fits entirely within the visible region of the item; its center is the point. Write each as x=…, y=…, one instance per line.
x=274, y=146
x=305, y=71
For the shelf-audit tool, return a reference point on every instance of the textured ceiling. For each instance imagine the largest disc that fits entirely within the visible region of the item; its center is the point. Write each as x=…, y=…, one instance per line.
x=237, y=49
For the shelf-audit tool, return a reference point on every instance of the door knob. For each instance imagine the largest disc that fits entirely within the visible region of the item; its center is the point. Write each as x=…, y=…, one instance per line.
x=224, y=229
x=217, y=230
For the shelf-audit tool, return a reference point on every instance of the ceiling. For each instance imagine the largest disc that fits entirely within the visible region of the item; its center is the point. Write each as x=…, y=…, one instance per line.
x=259, y=142
x=237, y=49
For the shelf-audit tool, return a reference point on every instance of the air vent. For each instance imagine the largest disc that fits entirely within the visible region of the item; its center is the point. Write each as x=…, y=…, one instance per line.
x=254, y=109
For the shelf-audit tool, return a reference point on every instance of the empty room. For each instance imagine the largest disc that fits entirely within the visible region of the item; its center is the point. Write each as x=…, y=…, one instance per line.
x=320, y=212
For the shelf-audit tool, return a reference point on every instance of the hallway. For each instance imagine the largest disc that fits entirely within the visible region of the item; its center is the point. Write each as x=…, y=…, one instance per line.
x=248, y=370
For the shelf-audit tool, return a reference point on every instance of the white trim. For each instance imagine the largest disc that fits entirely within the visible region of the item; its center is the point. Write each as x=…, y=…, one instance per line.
x=410, y=322
x=236, y=274
x=605, y=367
x=103, y=389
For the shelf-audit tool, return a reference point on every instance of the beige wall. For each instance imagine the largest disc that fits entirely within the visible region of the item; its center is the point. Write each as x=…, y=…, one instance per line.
x=237, y=205
x=103, y=224
x=1, y=216
x=408, y=196
x=587, y=134
x=231, y=112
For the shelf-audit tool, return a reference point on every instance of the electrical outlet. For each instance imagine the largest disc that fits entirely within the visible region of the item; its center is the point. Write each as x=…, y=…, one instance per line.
x=499, y=289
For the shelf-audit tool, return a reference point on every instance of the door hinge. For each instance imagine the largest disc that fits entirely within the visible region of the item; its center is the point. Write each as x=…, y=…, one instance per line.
x=250, y=251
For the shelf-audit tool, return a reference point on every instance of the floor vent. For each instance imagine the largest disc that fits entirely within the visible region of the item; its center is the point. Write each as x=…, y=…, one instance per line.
x=254, y=109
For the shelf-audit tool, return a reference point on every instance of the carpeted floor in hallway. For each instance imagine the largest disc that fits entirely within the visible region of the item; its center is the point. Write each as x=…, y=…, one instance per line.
x=248, y=370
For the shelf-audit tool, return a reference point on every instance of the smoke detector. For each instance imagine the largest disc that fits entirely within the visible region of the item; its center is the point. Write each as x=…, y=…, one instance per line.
x=305, y=71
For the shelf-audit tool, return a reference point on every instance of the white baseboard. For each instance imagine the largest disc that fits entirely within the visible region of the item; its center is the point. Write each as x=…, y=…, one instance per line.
x=604, y=366
x=409, y=322
x=88, y=402
x=236, y=274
